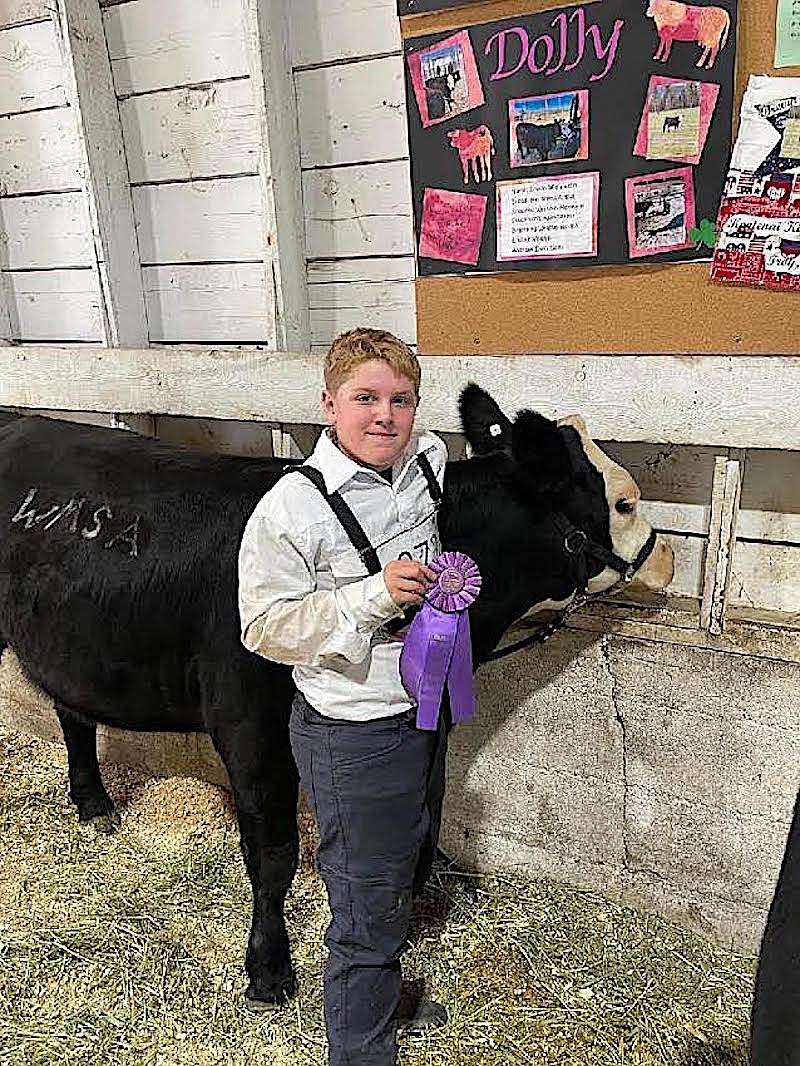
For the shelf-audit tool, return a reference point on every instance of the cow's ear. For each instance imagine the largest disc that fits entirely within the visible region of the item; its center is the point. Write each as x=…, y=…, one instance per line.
x=539, y=450
x=485, y=426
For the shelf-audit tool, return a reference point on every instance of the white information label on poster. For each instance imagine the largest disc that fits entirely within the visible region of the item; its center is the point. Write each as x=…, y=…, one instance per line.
x=548, y=218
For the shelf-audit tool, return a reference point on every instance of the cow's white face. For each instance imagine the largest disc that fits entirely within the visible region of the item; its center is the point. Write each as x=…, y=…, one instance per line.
x=629, y=530
x=557, y=469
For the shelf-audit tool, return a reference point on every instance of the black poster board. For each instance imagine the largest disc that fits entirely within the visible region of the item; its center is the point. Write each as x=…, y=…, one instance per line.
x=570, y=96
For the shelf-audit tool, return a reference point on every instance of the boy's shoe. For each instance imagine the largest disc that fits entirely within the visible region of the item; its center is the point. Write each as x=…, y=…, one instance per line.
x=415, y=1018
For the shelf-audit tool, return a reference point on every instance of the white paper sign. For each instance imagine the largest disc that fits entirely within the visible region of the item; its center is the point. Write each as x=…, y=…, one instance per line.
x=548, y=218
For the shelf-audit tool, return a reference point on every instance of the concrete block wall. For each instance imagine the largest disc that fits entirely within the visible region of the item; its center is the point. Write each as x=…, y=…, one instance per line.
x=662, y=775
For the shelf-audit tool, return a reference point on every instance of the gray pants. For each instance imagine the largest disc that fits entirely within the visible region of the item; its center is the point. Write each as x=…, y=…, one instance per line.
x=376, y=789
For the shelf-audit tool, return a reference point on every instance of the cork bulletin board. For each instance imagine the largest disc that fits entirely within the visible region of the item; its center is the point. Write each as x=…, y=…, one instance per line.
x=669, y=308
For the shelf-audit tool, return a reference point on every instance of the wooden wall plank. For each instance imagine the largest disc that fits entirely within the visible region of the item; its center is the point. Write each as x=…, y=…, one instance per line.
x=675, y=482
x=266, y=26
x=361, y=292
x=720, y=401
x=45, y=231
x=770, y=506
x=191, y=133
x=153, y=45
x=207, y=303
x=31, y=71
x=8, y=329
x=54, y=305
x=358, y=211
x=352, y=113
x=13, y=12
x=766, y=576
x=322, y=31
x=104, y=171
x=38, y=152
x=201, y=221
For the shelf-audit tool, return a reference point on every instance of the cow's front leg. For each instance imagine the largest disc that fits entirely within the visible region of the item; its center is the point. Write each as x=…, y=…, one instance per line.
x=465, y=167
x=476, y=170
x=701, y=62
x=86, y=789
x=264, y=781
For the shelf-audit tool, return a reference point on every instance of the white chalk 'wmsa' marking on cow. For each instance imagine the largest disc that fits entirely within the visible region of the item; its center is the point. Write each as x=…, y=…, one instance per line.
x=99, y=522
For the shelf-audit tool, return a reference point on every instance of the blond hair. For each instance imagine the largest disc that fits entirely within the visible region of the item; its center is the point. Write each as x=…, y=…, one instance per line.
x=349, y=350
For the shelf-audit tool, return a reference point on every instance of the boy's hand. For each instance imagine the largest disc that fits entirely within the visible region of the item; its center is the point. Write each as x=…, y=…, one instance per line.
x=406, y=580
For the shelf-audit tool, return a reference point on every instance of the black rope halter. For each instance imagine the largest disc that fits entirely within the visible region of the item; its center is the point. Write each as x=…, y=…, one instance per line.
x=581, y=549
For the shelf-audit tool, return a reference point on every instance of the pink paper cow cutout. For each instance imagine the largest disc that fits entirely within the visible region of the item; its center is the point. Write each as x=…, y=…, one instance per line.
x=707, y=26
x=476, y=147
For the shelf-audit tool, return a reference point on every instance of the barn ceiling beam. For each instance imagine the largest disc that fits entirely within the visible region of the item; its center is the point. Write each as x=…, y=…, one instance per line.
x=266, y=26
x=729, y=401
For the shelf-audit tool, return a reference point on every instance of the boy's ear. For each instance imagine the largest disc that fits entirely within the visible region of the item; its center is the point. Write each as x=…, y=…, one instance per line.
x=485, y=426
x=328, y=406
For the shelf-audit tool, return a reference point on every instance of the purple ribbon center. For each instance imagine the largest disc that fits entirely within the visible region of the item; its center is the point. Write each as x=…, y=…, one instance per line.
x=437, y=649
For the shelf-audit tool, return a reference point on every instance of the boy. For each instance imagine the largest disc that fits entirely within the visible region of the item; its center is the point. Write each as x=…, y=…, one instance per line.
x=308, y=597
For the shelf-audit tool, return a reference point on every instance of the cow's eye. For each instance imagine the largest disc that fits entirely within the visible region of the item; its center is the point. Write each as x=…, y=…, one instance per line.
x=626, y=506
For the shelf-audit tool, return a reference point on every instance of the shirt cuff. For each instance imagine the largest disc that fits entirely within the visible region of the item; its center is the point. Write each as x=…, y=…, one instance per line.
x=367, y=603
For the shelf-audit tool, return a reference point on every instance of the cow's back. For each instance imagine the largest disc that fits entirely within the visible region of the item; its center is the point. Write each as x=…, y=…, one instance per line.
x=118, y=569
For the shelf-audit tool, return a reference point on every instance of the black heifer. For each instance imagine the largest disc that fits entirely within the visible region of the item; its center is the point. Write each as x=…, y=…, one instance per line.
x=118, y=595
x=775, y=1022
x=537, y=136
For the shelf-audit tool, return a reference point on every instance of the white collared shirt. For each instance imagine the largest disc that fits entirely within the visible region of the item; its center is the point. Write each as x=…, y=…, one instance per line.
x=305, y=596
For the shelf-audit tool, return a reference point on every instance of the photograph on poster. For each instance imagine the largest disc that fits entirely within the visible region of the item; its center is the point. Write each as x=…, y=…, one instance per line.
x=676, y=119
x=543, y=129
x=661, y=212
x=548, y=218
x=445, y=79
x=452, y=226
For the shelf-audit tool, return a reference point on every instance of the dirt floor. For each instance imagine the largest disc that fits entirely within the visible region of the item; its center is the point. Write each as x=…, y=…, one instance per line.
x=127, y=950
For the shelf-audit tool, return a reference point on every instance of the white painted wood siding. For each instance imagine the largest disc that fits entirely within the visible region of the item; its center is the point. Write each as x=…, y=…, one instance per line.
x=157, y=45
x=47, y=258
x=353, y=113
x=31, y=73
x=362, y=210
x=45, y=231
x=55, y=305
x=354, y=155
x=38, y=152
x=324, y=31
x=200, y=221
x=182, y=134
x=13, y=12
x=208, y=303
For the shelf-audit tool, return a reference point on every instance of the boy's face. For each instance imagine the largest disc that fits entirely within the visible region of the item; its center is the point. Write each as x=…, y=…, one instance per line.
x=373, y=414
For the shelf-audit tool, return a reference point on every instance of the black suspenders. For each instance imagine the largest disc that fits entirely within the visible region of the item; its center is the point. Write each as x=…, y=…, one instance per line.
x=350, y=524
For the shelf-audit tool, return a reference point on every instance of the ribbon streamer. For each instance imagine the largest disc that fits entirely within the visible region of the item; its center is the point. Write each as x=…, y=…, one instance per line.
x=437, y=648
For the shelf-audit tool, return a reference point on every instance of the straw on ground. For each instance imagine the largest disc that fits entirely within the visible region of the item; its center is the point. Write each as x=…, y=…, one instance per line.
x=127, y=950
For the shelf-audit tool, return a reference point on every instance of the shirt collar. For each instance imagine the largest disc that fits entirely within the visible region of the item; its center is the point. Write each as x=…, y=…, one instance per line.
x=337, y=468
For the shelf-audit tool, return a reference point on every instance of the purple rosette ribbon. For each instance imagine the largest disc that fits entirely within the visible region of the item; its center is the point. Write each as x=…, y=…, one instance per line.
x=437, y=648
